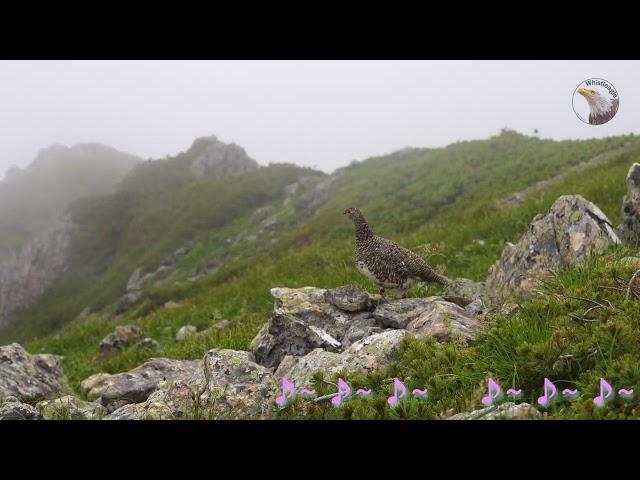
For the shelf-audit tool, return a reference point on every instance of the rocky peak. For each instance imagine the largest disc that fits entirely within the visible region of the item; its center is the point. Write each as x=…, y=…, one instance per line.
x=213, y=158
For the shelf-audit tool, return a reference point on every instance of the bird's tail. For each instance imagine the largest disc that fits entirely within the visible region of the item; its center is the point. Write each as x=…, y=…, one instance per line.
x=432, y=276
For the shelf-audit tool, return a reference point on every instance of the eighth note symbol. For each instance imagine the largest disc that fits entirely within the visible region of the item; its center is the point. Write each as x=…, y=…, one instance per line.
x=494, y=392
x=288, y=392
x=397, y=386
x=603, y=398
x=550, y=393
x=344, y=390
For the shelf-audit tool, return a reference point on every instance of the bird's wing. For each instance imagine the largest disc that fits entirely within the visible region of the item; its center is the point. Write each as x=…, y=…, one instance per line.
x=398, y=257
x=409, y=263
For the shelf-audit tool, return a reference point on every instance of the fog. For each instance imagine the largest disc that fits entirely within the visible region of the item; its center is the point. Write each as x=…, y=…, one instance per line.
x=315, y=113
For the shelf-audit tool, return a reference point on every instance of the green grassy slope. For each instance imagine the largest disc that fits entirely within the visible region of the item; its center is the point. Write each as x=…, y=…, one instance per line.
x=443, y=203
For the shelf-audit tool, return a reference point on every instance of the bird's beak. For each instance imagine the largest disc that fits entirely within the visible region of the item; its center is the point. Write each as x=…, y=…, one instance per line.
x=584, y=92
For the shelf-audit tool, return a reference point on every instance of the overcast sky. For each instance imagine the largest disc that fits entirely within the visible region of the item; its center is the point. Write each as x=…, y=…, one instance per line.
x=315, y=113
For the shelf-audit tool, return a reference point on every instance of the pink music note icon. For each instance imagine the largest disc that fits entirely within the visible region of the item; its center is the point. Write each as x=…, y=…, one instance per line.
x=288, y=392
x=494, y=392
x=397, y=387
x=603, y=398
x=550, y=393
x=344, y=390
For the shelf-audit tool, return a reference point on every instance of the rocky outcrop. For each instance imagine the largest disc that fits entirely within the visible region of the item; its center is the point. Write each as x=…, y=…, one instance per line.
x=567, y=234
x=213, y=158
x=29, y=378
x=312, y=329
x=114, y=391
x=307, y=319
x=25, y=275
x=629, y=230
x=70, y=408
x=504, y=411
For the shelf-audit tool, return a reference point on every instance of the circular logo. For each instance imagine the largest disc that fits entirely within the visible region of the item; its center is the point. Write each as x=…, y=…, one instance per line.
x=595, y=101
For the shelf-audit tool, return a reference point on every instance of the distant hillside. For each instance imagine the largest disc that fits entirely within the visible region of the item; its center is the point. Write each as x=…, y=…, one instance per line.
x=282, y=225
x=209, y=193
x=30, y=197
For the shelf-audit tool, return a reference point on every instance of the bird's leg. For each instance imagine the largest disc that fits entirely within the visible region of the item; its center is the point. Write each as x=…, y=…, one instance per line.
x=381, y=293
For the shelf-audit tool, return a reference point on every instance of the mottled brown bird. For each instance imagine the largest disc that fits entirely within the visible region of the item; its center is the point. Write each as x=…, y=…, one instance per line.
x=386, y=263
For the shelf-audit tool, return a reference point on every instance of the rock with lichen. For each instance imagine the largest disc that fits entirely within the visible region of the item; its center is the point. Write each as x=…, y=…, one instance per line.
x=567, y=234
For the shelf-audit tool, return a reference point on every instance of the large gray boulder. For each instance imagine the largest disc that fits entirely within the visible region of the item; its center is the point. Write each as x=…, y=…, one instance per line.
x=567, y=234
x=305, y=319
x=234, y=386
x=135, y=386
x=366, y=355
x=30, y=378
x=630, y=228
x=446, y=321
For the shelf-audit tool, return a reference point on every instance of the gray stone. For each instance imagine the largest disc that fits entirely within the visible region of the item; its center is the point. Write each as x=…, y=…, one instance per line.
x=70, y=408
x=136, y=385
x=566, y=235
x=351, y=299
x=287, y=334
x=30, y=378
x=504, y=411
x=173, y=400
x=472, y=293
x=185, y=332
x=135, y=280
x=398, y=313
x=18, y=411
x=149, y=343
x=363, y=325
x=446, y=321
x=221, y=325
x=122, y=337
x=235, y=387
x=302, y=320
x=127, y=301
x=366, y=355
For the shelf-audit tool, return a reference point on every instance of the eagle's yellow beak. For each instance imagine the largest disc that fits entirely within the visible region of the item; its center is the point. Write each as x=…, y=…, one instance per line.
x=585, y=92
